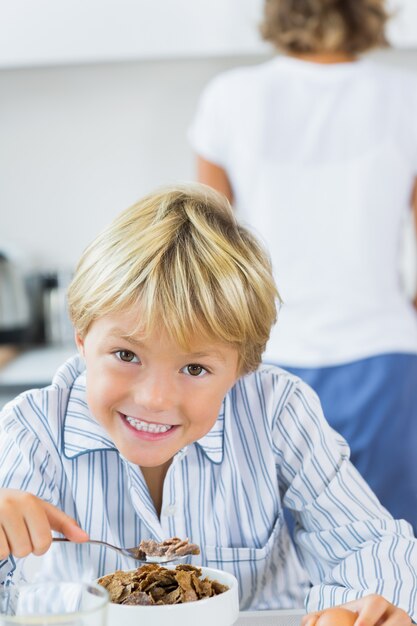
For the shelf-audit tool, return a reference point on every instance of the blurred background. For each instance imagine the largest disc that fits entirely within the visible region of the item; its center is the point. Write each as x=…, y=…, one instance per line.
x=95, y=100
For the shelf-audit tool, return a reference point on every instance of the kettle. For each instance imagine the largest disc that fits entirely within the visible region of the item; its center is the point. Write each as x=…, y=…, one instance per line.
x=15, y=312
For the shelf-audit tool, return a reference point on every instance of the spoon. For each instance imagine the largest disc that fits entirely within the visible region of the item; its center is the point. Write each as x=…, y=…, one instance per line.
x=134, y=553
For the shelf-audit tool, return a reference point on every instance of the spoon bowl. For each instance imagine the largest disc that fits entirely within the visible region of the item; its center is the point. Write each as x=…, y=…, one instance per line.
x=134, y=553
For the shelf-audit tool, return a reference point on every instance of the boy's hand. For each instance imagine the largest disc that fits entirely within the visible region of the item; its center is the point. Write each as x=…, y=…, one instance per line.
x=26, y=524
x=373, y=610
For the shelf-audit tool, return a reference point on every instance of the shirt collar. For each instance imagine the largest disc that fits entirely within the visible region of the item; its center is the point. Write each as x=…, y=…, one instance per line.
x=212, y=442
x=83, y=434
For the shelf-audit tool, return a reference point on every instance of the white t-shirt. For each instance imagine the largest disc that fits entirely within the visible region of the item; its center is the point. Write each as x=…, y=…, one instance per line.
x=322, y=160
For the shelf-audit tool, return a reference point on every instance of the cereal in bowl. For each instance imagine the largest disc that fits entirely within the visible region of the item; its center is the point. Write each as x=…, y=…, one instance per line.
x=152, y=584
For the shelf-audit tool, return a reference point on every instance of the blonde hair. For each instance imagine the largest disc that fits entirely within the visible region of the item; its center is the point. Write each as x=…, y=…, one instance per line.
x=308, y=26
x=181, y=257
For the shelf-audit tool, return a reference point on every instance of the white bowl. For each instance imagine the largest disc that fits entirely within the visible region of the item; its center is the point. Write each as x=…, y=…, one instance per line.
x=220, y=610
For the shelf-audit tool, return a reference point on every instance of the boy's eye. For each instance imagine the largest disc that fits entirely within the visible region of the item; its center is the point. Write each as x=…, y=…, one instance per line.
x=193, y=369
x=127, y=356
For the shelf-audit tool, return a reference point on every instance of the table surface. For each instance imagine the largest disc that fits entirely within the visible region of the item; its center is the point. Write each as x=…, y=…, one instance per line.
x=264, y=618
x=271, y=618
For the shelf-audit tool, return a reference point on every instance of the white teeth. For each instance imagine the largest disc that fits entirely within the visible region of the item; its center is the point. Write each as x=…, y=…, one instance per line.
x=147, y=427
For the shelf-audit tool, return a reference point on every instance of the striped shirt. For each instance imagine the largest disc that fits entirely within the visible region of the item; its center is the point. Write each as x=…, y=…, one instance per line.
x=270, y=448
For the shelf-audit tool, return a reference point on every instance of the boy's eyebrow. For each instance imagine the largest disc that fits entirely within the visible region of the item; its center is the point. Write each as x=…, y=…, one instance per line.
x=130, y=338
x=202, y=355
x=120, y=333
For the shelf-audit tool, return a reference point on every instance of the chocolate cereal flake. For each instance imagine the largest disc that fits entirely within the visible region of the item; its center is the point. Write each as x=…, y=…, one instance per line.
x=169, y=548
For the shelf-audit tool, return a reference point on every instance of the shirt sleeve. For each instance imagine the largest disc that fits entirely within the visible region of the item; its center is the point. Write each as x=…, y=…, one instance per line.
x=26, y=463
x=347, y=541
x=208, y=133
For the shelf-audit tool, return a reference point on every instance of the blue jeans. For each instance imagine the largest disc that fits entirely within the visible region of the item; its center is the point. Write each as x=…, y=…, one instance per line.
x=373, y=404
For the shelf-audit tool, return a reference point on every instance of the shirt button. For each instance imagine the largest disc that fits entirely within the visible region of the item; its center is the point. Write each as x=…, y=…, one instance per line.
x=169, y=510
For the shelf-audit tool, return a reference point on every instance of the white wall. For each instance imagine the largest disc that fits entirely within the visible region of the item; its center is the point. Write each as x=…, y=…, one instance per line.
x=78, y=144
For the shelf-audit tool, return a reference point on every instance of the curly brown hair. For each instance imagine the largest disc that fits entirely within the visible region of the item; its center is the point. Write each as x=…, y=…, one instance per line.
x=309, y=26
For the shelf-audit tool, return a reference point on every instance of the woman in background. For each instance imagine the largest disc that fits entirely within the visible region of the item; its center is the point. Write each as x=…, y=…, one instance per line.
x=317, y=149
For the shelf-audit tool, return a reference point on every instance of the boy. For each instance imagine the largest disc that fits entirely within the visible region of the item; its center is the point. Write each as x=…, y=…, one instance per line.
x=166, y=425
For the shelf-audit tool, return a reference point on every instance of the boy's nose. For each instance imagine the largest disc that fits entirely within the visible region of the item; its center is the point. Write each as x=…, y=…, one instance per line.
x=155, y=393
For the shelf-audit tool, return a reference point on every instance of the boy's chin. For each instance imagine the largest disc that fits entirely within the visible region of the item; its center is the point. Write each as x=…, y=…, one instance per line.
x=152, y=459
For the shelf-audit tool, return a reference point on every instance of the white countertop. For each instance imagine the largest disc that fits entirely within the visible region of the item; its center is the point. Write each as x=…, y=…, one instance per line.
x=291, y=617
x=35, y=367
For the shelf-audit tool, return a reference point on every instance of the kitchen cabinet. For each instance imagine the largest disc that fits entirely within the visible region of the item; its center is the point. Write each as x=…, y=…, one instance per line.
x=50, y=32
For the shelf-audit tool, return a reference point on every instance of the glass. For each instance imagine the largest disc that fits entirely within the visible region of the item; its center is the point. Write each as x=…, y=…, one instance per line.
x=58, y=587
x=62, y=603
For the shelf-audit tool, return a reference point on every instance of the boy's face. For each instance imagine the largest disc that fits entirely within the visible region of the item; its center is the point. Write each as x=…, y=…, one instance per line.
x=149, y=395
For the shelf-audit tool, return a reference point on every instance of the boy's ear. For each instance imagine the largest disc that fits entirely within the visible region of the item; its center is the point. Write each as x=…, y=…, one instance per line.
x=79, y=342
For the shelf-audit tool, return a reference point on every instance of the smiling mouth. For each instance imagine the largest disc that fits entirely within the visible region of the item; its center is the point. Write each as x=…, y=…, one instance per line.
x=147, y=427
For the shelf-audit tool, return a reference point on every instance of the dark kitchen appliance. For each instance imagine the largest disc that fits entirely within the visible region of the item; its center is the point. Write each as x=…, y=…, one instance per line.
x=15, y=314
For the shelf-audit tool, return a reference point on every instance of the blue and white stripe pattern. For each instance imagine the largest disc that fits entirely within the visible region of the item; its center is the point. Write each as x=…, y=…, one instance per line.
x=269, y=448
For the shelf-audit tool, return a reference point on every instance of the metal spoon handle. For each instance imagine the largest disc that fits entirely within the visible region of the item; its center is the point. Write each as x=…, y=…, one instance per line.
x=100, y=543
